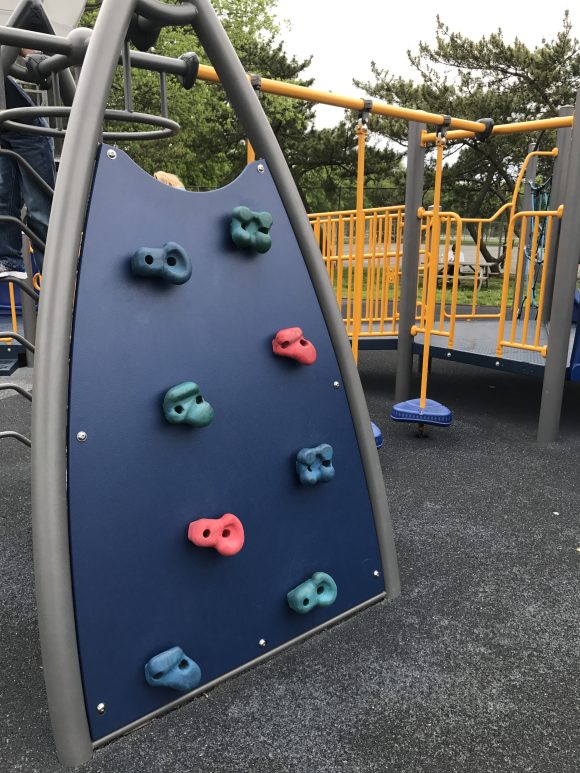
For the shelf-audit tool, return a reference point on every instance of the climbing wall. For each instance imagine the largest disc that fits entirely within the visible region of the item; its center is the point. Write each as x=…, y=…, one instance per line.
x=218, y=503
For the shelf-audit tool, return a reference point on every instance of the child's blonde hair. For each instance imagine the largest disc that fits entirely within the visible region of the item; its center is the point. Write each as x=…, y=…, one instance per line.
x=169, y=179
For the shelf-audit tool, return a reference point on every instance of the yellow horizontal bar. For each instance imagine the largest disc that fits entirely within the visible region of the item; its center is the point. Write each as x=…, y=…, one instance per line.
x=283, y=89
x=500, y=211
x=543, y=350
x=346, y=212
x=519, y=127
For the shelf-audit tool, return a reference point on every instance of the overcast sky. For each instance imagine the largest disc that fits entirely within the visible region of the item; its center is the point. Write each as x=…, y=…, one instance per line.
x=344, y=42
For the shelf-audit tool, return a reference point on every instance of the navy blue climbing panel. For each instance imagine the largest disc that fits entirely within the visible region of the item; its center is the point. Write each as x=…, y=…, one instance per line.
x=142, y=476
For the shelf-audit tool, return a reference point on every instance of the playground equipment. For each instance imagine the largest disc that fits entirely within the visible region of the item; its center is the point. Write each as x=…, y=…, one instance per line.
x=136, y=473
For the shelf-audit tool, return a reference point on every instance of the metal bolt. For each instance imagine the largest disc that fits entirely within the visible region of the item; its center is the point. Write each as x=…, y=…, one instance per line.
x=111, y=153
x=497, y=363
x=449, y=354
x=262, y=642
x=101, y=708
x=81, y=436
x=336, y=384
x=261, y=168
x=376, y=573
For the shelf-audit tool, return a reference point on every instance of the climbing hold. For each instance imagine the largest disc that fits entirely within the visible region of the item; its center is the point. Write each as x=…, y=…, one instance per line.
x=174, y=669
x=411, y=412
x=184, y=404
x=378, y=435
x=251, y=230
x=225, y=534
x=314, y=465
x=169, y=263
x=319, y=591
x=290, y=342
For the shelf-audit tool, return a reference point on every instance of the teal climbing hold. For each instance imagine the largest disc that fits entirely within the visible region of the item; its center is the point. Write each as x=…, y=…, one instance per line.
x=251, y=230
x=169, y=263
x=185, y=404
x=319, y=591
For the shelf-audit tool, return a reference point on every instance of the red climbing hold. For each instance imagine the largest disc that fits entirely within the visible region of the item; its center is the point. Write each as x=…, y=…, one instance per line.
x=290, y=342
x=225, y=534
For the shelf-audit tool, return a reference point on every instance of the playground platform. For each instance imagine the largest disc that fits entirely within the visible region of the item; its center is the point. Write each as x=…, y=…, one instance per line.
x=475, y=344
x=473, y=669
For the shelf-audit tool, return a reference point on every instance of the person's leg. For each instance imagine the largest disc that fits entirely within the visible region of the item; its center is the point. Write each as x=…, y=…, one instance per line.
x=39, y=153
x=10, y=204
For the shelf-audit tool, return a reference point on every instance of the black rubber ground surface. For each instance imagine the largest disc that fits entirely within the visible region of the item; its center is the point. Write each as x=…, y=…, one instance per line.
x=474, y=669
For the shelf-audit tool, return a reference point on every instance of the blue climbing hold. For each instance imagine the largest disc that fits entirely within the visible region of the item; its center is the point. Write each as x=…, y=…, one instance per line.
x=378, y=435
x=411, y=411
x=174, y=669
x=314, y=465
x=169, y=263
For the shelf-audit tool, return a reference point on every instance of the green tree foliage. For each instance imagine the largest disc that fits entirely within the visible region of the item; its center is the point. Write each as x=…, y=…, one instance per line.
x=483, y=78
x=210, y=149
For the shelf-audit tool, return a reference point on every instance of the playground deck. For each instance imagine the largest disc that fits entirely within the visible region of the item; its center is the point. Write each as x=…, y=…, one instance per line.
x=475, y=344
x=473, y=669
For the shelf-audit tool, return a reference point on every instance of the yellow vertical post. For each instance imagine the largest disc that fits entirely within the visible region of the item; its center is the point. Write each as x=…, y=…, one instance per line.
x=431, y=266
x=251, y=153
x=361, y=133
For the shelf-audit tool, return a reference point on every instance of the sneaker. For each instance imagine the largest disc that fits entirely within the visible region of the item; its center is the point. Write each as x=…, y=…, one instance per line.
x=8, y=271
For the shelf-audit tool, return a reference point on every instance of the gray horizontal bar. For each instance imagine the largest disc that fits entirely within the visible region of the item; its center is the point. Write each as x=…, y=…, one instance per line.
x=41, y=182
x=40, y=41
x=17, y=337
x=15, y=436
x=167, y=15
x=17, y=388
x=20, y=283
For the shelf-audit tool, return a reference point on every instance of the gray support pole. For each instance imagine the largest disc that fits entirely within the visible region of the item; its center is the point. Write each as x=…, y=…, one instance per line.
x=563, y=299
x=27, y=303
x=531, y=174
x=249, y=111
x=410, y=263
x=50, y=407
x=559, y=177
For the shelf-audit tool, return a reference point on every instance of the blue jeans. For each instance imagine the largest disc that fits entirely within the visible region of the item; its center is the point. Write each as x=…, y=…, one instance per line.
x=17, y=188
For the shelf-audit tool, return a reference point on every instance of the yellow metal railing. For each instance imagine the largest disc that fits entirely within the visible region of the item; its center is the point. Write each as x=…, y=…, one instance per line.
x=362, y=252
x=12, y=314
x=381, y=245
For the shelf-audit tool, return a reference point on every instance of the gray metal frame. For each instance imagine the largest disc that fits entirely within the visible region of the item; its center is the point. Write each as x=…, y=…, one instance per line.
x=49, y=411
x=50, y=407
x=559, y=176
x=563, y=296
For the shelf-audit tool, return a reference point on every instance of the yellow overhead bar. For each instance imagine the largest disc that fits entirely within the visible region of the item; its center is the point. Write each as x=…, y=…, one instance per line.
x=507, y=128
x=282, y=89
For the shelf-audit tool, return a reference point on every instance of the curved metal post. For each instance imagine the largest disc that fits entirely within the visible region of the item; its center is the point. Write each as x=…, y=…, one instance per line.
x=49, y=417
x=247, y=107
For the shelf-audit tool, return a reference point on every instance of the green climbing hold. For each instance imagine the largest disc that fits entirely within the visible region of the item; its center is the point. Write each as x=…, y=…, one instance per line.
x=251, y=230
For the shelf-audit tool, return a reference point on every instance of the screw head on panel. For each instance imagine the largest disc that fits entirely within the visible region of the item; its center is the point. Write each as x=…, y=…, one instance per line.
x=262, y=642
x=112, y=154
x=376, y=573
x=101, y=708
x=260, y=168
x=336, y=384
x=497, y=363
x=449, y=354
x=81, y=436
